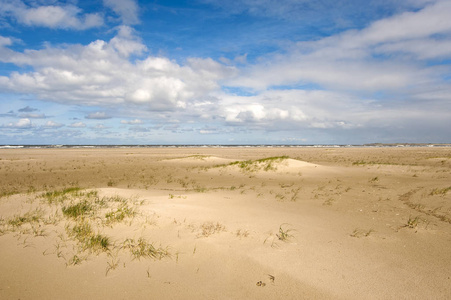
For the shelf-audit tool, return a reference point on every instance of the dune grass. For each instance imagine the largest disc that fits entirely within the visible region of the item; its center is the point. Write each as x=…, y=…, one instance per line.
x=250, y=166
x=141, y=248
x=285, y=233
x=86, y=214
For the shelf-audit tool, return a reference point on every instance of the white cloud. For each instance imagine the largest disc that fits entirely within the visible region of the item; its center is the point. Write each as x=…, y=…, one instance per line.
x=52, y=124
x=51, y=16
x=101, y=74
x=132, y=122
x=127, y=10
x=382, y=56
x=126, y=43
x=78, y=125
x=433, y=19
x=347, y=70
x=21, y=124
x=5, y=41
x=282, y=107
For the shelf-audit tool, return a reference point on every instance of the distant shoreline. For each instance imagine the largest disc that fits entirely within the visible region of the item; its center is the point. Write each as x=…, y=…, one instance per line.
x=51, y=146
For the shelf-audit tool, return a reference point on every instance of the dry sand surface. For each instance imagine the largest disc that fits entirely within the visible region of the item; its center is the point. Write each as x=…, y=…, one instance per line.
x=225, y=223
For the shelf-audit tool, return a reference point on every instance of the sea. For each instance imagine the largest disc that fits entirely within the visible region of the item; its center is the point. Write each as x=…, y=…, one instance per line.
x=222, y=146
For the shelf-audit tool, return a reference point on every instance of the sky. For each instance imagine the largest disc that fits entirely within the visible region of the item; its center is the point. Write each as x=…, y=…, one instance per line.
x=225, y=72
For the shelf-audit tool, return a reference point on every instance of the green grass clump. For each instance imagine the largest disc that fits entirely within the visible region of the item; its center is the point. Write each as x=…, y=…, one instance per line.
x=29, y=217
x=98, y=242
x=77, y=210
x=266, y=164
x=143, y=249
x=83, y=233
x=119, y=214
x=413, y=222
x=60, y=196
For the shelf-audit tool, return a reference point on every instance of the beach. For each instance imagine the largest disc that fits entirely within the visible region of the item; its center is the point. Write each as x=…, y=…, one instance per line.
x=226, y=223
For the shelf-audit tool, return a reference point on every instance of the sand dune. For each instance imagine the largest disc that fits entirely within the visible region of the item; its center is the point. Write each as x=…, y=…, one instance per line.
x=225, y=224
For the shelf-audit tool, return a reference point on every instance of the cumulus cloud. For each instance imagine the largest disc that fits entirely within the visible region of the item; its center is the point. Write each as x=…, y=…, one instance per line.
x=51, y=16
x=127, y=10
x=328, y=84
x=21, y=124
x=285, y=108
x=101, y=74
x=5, y=41
x=52, y=124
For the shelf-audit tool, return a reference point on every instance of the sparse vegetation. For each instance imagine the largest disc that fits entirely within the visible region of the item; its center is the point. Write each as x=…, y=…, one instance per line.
x=87, y=239
x=266, y=164
x=55, y=197
x=143, y=249
x=358, y=233
x=210, y=228
x=329, y=202
x=30, y=217
x=119, y=214
x=77, y=210
x=284, y=233
x=413, y=222
x=374, y=179
x=242, y=233
x=441, y=192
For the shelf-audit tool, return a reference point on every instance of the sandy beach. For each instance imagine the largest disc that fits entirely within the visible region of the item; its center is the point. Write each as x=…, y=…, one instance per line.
x=225, y=223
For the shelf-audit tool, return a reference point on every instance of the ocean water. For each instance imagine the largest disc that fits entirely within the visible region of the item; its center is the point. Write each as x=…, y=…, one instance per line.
x=217, y=146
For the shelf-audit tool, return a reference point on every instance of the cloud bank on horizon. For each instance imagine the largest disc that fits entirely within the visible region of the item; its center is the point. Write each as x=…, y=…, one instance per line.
x=225, y=72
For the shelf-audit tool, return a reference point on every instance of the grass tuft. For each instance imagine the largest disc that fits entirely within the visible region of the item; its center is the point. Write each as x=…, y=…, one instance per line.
x=413, y=222
x=87, y=239
x=119, y=214
x=209, y=228
x=266, y=164
x=29, y=217
x=284, y=233
x=143, y=249
x=60, y=196
x=77, y=210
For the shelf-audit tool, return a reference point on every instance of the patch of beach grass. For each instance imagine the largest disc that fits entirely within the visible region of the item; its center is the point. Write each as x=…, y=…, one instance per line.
x=119, y=214
x=77, y=210
x=59, y=196
x=87, y=239
x=250, y=166
x=210, y=228
x=285, y=233
x=141, y=248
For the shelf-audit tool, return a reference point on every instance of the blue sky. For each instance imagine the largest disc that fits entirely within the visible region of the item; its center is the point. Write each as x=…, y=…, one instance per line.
x=225, y=72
